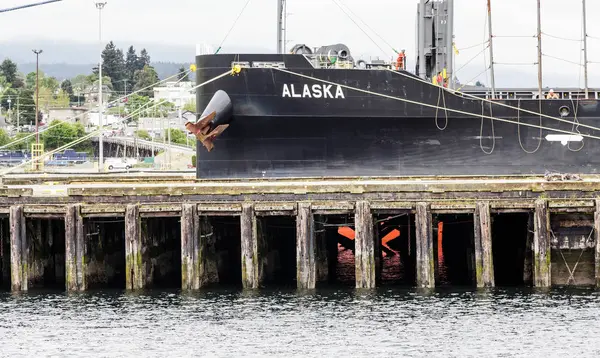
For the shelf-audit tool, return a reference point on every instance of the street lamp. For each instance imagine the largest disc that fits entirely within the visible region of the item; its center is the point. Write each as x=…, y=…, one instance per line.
x=100, y=6
x=37, y=94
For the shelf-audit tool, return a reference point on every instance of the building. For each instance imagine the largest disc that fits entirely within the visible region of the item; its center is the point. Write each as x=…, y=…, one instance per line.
x=69, y=114
x=179, y=93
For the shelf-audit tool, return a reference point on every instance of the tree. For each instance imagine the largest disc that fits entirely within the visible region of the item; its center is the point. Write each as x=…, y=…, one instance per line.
x=27, y=106
x=143, y=60
x=4, y=138
x=479, y=84
x=63, y=133
x=190, y=106
x=183, y=76
x=113, y=65
x=67, y=87
x=131, y=63
x=9, y=70
x=145, y=78
x=50, y=83
x=135, y=103
x=177, y=136
x=9, y=93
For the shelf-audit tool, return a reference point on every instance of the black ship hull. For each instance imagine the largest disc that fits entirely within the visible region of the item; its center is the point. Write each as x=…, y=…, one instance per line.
x=283, y=126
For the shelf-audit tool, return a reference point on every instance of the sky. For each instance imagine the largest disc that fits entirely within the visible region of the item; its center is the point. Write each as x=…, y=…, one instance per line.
x=321, y=22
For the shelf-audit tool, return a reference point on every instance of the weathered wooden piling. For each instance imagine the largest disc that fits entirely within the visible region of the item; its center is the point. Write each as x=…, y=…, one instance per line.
x=528, y=259
x=250, y=236
x=74, y=249
x=541, y=245
x=425, y=259
x=364, y=249
x=134, y=269
x=190, y=278
x=597, y=241
x=484, y=261
x=321, y=253
x=18, y=249
x=305, y=247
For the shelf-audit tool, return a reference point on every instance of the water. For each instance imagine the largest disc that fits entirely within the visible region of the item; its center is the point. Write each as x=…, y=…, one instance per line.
x=343, y=323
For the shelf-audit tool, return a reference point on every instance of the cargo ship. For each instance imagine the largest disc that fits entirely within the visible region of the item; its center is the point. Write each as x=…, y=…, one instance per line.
x=318, y=112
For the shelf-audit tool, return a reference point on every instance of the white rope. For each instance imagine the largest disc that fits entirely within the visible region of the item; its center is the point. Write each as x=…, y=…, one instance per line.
x=481, y=132
x=441, y=94
x=429, y=105
x=519, y=129
x=82, y=114
x=464, y=94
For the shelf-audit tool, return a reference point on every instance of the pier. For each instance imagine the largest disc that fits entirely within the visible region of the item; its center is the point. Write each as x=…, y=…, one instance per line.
x=142, y=230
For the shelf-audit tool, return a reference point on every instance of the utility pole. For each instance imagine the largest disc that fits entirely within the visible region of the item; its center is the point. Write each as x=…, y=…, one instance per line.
x=539, y=30
x=18, y=113
x=585, y=58
x=422, y=70
x=280, y=29
x=37, y=94
x=492, y=74
x=100, y=6
x=450, y=43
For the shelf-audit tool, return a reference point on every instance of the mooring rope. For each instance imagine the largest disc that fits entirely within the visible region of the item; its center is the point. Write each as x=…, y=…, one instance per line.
x=481, y=131
x=430, y=105
x=96, y=132
x=464, y=94
x=519, y=129
x=441, y=94
x=17, y=141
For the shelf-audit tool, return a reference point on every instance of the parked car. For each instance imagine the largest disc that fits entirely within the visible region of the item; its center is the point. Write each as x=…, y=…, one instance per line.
x=118, y=163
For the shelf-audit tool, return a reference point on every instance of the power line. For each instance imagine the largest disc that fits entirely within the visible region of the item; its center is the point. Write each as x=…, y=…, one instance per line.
x=29, y=5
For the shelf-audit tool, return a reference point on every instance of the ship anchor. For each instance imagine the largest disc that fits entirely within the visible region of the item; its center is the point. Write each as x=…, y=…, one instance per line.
x=204, y=132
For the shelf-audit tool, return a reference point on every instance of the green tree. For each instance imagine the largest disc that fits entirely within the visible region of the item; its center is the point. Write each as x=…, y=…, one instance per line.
x=183, y=76
x=23, y=145
x=191, y=106
x=9, y=93
x=50, y=83
x=67, y=87
x=27, y=106
x=9, y=70
x=143, y=134
x=136, y=102
x=177, y=136
x=113, y=65
x=145, y=78
x=30, y=79
x=143, y=59
x=63, y=133
x=131, y=64
x=4, y=138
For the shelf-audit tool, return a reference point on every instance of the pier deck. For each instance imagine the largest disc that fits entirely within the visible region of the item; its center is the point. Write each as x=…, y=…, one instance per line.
x=144, y=229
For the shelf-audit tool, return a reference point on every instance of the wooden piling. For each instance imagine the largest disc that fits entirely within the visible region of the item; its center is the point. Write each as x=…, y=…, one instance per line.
x=74, y=250
x=484, y=261
x=134, y=275
x=251, y=270
x=364, y=249
x=189, y=247
x=597, y=238
x=425, y=259
x=541, y=245
x=305, y=247
x=321, y=254
x=18, y=249
x=528, y=259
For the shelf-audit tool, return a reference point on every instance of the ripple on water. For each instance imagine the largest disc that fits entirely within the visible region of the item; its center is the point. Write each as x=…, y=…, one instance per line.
x=329, y=322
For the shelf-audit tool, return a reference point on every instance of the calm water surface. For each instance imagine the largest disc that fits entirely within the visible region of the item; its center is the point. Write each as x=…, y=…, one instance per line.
x=343, y=323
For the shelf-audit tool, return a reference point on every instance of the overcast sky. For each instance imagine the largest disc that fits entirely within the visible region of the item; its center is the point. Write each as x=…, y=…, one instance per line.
x=321, y=22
